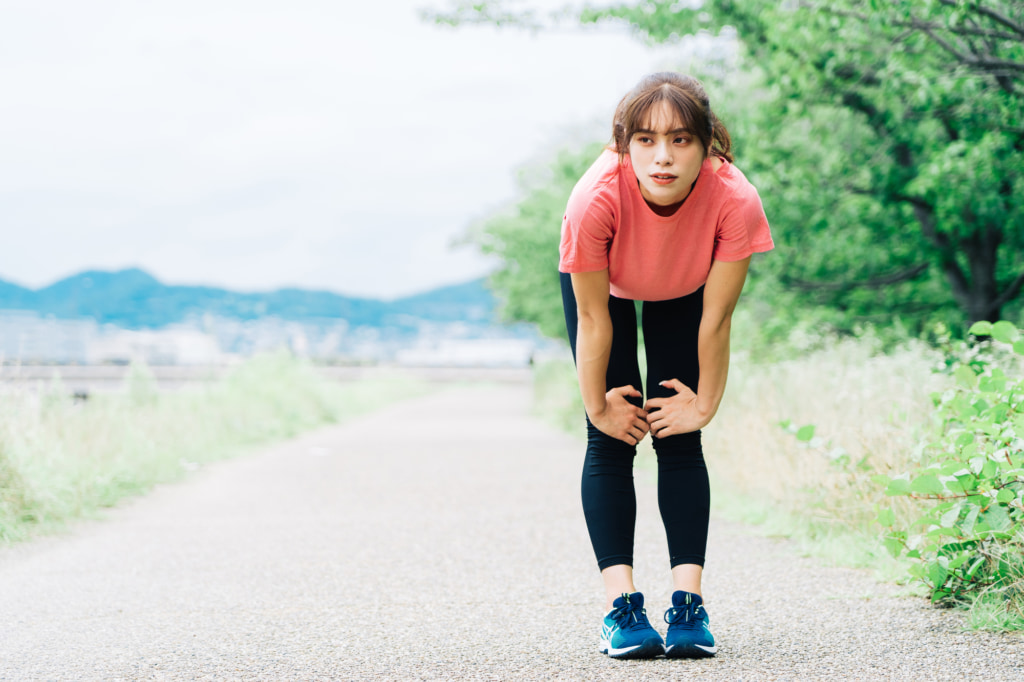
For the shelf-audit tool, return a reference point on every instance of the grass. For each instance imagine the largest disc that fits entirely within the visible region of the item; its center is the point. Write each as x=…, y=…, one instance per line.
x=61, y=460
x=872, y=412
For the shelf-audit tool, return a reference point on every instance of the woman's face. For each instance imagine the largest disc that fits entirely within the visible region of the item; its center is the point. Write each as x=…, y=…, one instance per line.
x=666, y=157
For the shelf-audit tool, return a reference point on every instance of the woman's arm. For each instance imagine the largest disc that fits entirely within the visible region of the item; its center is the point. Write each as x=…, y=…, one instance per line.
x=688, y=411
x=609, y=411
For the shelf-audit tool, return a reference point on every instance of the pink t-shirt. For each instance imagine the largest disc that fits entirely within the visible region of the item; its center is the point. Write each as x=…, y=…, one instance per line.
x=608, y=224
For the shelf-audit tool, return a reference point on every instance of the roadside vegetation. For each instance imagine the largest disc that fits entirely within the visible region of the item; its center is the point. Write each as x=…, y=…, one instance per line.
x=61, y=459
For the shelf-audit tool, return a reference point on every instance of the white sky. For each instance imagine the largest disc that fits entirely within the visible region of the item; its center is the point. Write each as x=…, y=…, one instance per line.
x=256, y=144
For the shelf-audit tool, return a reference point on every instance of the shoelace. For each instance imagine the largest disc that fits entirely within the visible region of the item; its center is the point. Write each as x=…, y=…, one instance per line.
x=630, y=616
x=683, y=614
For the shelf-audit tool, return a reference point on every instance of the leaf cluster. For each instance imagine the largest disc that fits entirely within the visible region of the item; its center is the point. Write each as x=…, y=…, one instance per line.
x=969, y=537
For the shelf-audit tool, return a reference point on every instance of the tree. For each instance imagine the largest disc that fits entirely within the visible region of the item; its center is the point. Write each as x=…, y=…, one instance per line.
x=526, y=237
x=887, y=140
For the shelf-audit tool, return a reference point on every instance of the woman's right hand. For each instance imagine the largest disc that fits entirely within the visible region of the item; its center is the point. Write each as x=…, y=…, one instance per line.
x=620, y=418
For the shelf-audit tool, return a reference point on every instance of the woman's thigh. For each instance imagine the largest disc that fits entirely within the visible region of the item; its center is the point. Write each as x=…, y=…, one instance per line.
x=670, y=340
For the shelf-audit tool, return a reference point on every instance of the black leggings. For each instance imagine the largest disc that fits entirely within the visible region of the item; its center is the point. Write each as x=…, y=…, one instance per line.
x=609, y=499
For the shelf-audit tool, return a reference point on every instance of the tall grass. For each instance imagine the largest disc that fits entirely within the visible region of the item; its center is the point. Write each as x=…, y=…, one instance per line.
x=60, y=460
x=871, y=413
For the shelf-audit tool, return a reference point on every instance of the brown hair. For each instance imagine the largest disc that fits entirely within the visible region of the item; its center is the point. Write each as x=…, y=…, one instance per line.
x=686, y=96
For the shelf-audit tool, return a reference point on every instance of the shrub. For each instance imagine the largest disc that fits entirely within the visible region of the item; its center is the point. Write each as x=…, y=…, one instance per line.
x=968, y=540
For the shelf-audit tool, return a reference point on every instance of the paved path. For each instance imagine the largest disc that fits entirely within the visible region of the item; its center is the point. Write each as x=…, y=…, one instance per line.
x=439, y=539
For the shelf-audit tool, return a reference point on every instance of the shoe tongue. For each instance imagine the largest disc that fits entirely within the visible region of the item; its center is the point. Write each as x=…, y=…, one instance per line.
x=679, y=599
x=636, y=599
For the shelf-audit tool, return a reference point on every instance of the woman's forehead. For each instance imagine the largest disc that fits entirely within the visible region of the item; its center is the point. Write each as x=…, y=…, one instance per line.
x=663, y=117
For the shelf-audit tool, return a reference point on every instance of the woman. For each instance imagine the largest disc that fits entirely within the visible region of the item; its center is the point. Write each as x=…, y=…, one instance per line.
x=662, y=217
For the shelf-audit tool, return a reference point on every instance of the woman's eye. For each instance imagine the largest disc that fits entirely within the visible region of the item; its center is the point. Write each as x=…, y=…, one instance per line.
x=682, y=140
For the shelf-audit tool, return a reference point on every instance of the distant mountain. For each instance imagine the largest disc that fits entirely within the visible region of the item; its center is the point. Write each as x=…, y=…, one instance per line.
x=135, y=299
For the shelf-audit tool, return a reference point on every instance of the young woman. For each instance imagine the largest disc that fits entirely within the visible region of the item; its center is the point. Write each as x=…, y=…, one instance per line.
x=662, y=217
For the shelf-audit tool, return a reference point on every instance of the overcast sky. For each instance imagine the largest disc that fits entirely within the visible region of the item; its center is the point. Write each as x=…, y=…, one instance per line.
x=254, y=144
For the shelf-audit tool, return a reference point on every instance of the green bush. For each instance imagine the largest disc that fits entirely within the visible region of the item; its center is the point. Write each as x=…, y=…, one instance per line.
x=968, y=541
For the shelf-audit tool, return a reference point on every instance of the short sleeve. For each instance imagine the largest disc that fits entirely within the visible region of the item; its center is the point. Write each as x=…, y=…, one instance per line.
x=742, y=228
x=587, y=231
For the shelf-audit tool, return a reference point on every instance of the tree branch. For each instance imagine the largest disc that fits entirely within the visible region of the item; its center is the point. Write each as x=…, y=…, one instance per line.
x=873, y=283
x=1009, y=293
x=915, y=23
x=993, y=15
x=926, y=218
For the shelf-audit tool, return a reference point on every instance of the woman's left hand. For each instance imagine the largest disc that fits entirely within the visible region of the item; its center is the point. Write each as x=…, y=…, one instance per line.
x=675, y=414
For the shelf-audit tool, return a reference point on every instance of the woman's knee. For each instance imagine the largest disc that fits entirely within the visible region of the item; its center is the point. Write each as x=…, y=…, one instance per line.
x=680, y=450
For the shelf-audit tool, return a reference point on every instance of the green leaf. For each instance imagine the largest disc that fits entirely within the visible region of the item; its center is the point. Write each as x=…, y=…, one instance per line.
x=959, y=561
x=1018, y=347
x=893, y=546
x=1005, y=495
x=965, y=376
x=950, y=518
x=967, y=525
x=1004, y=331
x=886, y=517
x=974, y=567
x=967, y=483
x=996, y=518
x=898, y=486
x=981, y=328
x=805, y=433
x=927, y=484
x=937, y=575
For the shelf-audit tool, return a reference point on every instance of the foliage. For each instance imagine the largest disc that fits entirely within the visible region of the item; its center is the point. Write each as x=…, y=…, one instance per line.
x=525, y=238
x=969, y=540
x=886, y=139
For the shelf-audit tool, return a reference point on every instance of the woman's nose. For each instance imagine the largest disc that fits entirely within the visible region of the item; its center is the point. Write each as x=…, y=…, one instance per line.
x=663, y=155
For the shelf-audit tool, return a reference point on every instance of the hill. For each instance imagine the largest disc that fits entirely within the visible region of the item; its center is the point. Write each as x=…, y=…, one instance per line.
x=134, y=299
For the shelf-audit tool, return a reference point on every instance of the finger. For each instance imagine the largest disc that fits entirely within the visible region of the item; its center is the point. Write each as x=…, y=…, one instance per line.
x=674, y=384
x=642, y=426
x=655, y=404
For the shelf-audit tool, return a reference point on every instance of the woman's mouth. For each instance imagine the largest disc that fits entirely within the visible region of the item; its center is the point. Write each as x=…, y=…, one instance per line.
x=662, y=178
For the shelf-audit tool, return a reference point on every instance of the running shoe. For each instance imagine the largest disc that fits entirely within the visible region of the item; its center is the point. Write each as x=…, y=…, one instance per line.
x=626, y=632
x=688, y=633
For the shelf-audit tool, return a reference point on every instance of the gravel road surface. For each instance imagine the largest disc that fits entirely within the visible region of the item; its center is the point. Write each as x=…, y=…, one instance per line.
x=438, y=539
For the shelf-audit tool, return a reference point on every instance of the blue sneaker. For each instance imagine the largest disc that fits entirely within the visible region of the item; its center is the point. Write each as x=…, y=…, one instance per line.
x=626, y=632
x=688, y=633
